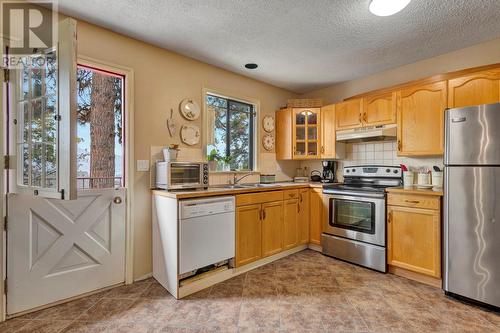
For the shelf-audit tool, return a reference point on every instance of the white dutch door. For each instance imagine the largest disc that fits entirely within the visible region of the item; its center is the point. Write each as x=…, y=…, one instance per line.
x=66, y=200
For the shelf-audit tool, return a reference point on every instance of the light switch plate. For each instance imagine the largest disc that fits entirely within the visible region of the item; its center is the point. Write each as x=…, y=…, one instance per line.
x=142, y=165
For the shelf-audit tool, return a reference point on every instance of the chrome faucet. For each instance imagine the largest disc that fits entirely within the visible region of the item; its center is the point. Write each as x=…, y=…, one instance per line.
x=236, y=180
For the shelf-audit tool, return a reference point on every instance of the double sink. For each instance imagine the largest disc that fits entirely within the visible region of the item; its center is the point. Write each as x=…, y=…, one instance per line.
x=233, y=186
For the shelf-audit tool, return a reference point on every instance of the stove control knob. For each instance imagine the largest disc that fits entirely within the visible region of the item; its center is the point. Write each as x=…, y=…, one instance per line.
x=353, y=170
x=395, y=171
x=387, y=170
x=347, y=171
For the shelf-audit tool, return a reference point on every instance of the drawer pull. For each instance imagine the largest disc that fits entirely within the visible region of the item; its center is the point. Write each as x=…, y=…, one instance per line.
x=291, y=195
x=412, y=201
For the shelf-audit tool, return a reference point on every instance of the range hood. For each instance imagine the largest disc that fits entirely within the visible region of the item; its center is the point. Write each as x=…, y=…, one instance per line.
x=372, y=133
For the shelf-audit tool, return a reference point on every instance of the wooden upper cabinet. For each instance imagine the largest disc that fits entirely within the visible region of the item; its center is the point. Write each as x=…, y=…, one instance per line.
x=379, y=109
x=248, y=234
x=420, y=113
x=272, y=228
x=283, y=130
x=348, y=114
x=306, y=133
x=290, y=223
x=474, y=89
x=328, y=140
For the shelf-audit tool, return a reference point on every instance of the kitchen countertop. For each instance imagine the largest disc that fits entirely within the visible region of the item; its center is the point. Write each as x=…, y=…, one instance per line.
x=414, y=190
x=219, y=190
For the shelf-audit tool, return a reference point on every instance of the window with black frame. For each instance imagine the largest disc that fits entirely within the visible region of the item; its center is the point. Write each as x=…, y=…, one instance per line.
x=230, y=141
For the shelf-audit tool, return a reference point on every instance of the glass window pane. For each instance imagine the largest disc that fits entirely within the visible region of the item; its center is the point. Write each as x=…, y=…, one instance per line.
x=50, y=166
x=100, y=149
x=50, y=124
x=239, y=148
x=354, y=215
x=300, y=148
x=300, y=133
x=36, y=82
x=312, y=118
x=312, y=148
x=36, y=121
x=25, y=82
x=300, y=118
x=24, y=150
x=25, y=122
x=312, y=133
x=50, y=72
x=36, y=164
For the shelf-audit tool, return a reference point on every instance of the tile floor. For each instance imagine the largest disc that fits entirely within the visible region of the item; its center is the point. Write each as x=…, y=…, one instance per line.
x=305, y=292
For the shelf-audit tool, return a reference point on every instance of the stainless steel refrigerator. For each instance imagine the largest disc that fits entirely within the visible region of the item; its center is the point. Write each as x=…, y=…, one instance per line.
x=472, y=203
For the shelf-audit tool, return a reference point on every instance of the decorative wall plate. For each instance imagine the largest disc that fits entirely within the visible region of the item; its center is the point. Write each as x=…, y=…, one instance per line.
x=268, y=142
x=268, y=124
x=190, y=134
x=189, y=109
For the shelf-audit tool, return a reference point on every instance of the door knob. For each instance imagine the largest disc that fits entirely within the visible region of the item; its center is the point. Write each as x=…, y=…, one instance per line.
x=117, y=200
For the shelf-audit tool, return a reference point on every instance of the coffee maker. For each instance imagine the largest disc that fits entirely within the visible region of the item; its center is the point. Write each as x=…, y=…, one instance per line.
x=329, y=171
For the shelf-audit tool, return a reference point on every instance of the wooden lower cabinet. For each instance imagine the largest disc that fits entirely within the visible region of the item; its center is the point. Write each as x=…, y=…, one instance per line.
x=248, y=234
x=272, y=228
x=315, y=215
x=303, y=216
x=290, y=223
x=414, y=239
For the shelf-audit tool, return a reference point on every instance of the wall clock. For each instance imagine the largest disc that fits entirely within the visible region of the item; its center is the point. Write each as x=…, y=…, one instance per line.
x=268, y=142
x=268, y=124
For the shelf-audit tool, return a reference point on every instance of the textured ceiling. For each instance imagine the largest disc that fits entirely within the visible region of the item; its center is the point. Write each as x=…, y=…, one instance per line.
x=299, y=45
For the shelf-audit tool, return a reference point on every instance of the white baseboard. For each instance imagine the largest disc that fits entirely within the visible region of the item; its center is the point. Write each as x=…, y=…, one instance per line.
x=144, y=277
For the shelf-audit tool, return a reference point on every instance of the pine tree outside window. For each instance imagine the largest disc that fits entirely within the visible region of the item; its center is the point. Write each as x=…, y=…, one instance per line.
x=232, y=132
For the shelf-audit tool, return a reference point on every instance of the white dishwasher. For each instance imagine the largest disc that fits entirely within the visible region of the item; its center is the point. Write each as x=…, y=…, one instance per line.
x=206, y=232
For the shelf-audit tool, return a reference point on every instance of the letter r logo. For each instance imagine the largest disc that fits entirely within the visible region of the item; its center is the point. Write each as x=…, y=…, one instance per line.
x=28, y=26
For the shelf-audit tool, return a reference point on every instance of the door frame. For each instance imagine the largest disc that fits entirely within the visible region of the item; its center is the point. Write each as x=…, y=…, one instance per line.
x=128, y=96
x=128, y=74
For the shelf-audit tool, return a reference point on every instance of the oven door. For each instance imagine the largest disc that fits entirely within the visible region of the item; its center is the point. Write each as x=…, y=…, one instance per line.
x=185, y=175
x=356, y=217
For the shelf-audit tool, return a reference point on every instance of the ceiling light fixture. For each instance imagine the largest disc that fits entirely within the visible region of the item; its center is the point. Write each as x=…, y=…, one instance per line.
x=251, y=66
x=387, y=7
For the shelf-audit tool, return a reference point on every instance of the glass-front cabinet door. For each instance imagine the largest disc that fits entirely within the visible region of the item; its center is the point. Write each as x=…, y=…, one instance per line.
x=306, y=133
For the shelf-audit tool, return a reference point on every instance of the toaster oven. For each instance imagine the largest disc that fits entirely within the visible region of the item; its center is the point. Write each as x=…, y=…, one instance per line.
x=181, y=175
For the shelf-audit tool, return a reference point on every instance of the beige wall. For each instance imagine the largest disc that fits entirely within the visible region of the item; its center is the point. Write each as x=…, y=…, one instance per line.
x=477, y=55
x=162, y=80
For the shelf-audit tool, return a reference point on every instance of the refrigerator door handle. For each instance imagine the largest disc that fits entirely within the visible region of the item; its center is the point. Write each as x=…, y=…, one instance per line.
x=458, y=119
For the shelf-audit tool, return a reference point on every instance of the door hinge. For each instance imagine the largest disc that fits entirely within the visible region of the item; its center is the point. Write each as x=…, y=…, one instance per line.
x=6, y=75
x=6, y=162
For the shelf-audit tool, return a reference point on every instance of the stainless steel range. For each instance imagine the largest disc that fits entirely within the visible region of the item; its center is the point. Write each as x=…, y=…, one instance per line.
x=354, y=229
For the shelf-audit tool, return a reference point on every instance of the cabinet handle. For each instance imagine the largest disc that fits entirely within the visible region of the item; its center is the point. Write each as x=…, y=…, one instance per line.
x=300, y=196
x=360, y=118
x=389, y=219
x=365, y=117
x=260, y=214
x=399, y=145
x=263, y=214
x=298, y=208
x=322, y=149
x=412, y=201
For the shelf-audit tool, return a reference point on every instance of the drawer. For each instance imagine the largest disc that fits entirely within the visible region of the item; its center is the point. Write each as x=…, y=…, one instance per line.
x=417, y=201
x=291, y=194
x=257, y=198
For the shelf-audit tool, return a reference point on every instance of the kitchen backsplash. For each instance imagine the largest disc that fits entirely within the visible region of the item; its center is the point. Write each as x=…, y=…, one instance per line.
x=378, y=153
